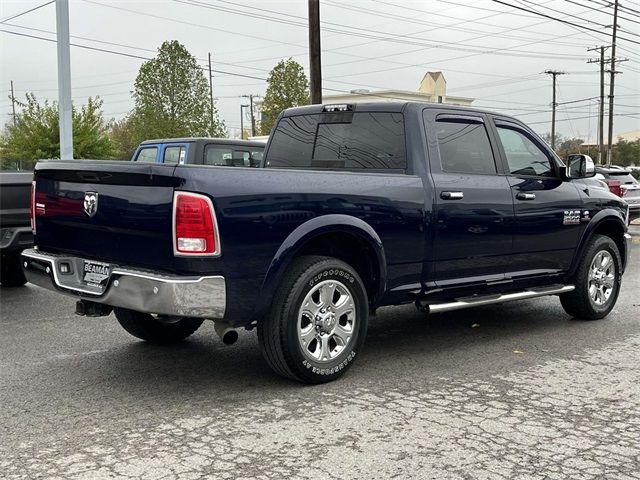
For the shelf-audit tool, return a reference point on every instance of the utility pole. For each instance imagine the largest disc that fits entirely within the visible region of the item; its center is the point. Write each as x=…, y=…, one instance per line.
x=253, y=118
x=315, y=69
x=601, y=61
x=211, y=92
x=612, y=81
x=242, y=107
x=554, y=104
x=13, y=105
x=64, y=80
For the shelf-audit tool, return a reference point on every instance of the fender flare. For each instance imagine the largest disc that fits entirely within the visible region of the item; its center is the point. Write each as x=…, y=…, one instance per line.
x=606, y=215
x=308, y=231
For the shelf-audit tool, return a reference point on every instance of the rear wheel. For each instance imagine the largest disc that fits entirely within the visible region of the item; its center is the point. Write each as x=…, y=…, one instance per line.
x=158, y=329
x=11, y=274
x=317, y=322
x=597, y=281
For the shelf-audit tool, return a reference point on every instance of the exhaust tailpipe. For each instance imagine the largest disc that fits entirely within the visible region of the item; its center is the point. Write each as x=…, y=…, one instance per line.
x=228, y=335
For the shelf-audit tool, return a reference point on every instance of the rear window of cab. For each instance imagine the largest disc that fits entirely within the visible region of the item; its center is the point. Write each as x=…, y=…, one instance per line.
x=339, y=141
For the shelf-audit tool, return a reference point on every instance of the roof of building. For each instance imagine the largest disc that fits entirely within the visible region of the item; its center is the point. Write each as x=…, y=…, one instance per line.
x=631, y=136
x=394, y=93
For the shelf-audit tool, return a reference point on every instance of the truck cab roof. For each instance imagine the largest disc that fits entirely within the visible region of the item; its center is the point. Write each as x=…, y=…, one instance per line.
x=387, y=106
x=219, y=141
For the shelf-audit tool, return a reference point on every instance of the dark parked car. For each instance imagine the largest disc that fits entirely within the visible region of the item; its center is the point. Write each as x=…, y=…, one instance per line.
x=360, y=206
x=201, y=151
x=15, y=225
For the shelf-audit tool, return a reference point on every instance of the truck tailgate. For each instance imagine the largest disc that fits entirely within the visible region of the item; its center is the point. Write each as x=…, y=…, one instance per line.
x=118, y=212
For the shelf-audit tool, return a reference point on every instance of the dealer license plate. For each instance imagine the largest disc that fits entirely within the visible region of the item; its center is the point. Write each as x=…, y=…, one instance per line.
x=96, y=273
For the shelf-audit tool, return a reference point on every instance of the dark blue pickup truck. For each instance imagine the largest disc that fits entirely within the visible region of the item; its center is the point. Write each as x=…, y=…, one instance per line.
x=357, y=207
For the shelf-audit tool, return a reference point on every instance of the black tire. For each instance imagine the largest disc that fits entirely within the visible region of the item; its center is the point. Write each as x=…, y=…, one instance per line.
x=579, y=303
x=11, y=274
x=278, y=332
x=149, y=328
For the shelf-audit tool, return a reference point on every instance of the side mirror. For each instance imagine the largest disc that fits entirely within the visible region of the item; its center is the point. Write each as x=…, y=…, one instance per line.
x=580, y=166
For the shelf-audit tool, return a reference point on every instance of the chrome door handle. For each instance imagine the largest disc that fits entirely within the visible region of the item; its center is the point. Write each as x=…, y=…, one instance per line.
x=451, y=195
x=525, y=196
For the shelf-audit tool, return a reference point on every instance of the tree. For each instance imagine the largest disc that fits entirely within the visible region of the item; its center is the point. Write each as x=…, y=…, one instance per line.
x=626, y=153
x=565, y=145
x=124, y=138
x=36, y=134
x=287, y=87
x=171, y=95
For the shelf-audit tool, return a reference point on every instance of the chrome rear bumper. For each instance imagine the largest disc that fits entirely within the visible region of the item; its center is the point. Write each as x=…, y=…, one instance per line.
x=142, y=291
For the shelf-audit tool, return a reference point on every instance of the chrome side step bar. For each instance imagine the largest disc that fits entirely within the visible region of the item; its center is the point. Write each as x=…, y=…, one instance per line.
x=476, y=301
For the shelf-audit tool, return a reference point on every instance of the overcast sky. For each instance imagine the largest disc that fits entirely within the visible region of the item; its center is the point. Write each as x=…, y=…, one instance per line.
x=486, y=50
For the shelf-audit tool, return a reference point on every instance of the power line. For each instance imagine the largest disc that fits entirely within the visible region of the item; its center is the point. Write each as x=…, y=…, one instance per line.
x=550, y=17
x=391, y=38
x=597, y=10
x=130, y=55
x=26, y=11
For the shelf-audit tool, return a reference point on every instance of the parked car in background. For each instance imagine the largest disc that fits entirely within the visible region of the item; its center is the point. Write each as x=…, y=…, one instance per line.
x=358, y=206
x=200, y=151
x=623, y=184
x=15, y=225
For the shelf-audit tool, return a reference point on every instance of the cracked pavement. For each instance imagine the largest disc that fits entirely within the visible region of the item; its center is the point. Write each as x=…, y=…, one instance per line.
x=525, y=394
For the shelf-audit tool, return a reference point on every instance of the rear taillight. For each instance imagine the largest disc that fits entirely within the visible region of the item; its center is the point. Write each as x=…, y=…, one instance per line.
x=195, y=231
x=32, y=207
x=614, y=187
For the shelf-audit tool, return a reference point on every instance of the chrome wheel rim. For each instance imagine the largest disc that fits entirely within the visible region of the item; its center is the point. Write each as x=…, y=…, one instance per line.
x=326, y=321
x=602, y=276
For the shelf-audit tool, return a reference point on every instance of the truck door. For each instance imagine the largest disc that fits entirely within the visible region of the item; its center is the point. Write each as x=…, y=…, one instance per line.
x=473, y=203
x=549, y=211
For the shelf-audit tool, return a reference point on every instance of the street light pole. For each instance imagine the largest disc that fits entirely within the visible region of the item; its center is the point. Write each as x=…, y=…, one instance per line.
x=64, y=80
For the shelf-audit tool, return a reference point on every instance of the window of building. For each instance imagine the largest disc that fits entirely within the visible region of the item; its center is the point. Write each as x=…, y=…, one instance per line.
x=464, y=147
x=523, y=156
x=147, y=155
x=349, y=141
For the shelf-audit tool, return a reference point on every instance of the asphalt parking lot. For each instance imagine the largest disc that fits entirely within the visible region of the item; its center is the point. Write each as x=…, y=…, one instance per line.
x=512, y=391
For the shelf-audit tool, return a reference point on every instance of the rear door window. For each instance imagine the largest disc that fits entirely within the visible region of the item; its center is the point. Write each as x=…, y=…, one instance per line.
x=231, y=156
x=174, y=154
x=340, y=141
x=464, y=147
x=218, y=155
x=147, y=155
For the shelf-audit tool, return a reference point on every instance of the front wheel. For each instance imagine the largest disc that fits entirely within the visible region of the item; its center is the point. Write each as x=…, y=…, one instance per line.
x=158, y=329
x=318, y=321
x=597, y=281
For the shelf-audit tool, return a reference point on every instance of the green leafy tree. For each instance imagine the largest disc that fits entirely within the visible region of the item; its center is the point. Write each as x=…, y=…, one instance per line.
x=124, y=137
x=171, y=95
x=287, y=87
x=36, y=134
x=626, y=153
x=565, y=145
x=568, y=146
